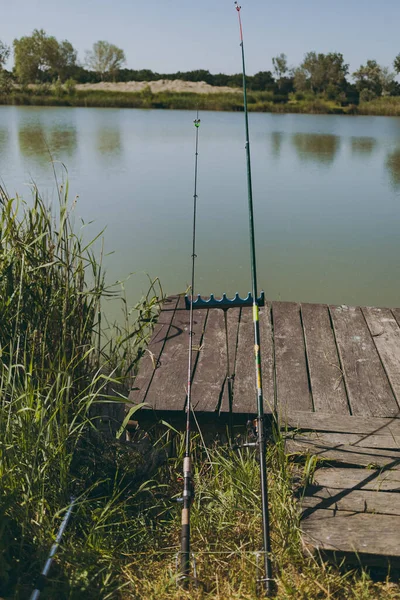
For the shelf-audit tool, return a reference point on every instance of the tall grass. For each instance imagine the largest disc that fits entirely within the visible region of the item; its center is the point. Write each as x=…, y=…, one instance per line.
x=257, y=101
x=55, y=366
x=387, y=106
x=227, y=535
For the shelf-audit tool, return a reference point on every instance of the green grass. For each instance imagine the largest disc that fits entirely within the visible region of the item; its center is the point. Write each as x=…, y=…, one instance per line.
x=226, y=532
x=257, y=101
x=57, y=368
x=389, y=106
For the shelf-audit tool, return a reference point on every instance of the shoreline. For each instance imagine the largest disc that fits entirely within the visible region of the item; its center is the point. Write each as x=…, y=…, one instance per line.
x=262, y=102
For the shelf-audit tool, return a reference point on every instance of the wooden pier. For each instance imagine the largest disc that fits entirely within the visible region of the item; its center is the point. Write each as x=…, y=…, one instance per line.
x=333, y=375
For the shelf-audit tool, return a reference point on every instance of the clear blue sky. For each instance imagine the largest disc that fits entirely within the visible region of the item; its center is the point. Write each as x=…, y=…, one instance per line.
x=180, y=35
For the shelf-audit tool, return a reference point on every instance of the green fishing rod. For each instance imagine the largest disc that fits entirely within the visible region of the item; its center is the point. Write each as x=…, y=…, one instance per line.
x=266, y=580
x=187, y=462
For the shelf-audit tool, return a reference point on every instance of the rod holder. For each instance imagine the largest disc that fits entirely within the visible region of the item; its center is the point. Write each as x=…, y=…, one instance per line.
x=224, y=302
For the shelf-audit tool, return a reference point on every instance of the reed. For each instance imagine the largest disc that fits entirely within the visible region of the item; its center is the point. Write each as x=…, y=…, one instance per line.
x=56, y=365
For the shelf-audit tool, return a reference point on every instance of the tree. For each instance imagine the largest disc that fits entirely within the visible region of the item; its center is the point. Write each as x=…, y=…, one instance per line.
x=65, y=60
x=6, y=82
x=280, y=67
x=318, y=72
x=105, y=59
x=4, y=54
x=261, y=81
x=40, y=56
x=396, y=64
x=374, y=78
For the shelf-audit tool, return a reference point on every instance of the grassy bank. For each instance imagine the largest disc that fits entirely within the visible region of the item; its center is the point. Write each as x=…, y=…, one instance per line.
x=257, y=101
x=58, y=366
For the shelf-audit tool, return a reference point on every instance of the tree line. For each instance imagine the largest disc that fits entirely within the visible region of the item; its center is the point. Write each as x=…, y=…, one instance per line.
x=41, y=58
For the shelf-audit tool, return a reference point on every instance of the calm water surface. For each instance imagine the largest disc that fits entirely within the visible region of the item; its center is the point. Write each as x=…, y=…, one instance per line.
x=326, y=194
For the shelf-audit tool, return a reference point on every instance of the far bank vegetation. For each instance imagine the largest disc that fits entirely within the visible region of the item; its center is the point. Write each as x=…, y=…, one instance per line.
x=47, y=71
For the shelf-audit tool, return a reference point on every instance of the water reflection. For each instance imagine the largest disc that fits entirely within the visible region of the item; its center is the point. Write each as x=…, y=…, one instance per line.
x=4, y=137
x=393, y=167
x=63, y=141
x=276, y=139
x=362, y=145
x=32, y=143
x=316, y=147
x=43, y=144
x=109, y=141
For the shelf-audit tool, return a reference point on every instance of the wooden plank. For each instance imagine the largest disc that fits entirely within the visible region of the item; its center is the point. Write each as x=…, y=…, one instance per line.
x=150, y=360
x=344, y=454
x=396, y=314
x=233, y=318
x=328, y=391
x=358, y=501
x=367, y=386
x=168, y=388
x=292, y=384
x=366, y=479
x=348, y=532
x=340, y=423
x=357, y=440
x=209, y=381
x=386, y=335
x=244, y=398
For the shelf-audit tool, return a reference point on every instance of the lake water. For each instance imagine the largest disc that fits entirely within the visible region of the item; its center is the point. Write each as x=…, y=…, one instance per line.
x=326, y=196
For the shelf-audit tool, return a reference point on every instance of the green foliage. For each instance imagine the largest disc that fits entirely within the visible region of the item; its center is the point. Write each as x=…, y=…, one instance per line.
x=320, y=71
x=396, y=64
x=366, y=95
x=6, y=82
x=70, y=87
x=43, y=89
x=58, y=89
x=40, y=56
x=105, y=59
x=280, y=67
x=56, y=367
x=4, y=54
x=376, y=79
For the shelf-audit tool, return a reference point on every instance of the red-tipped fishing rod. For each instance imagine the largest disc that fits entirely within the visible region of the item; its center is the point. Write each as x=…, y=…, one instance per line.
x=187, y=463
x=266, y=580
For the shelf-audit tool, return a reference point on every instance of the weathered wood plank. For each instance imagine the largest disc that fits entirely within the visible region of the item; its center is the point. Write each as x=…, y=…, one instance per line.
x=293, y=391
x=344, y=454
x=233, y=317
x=244, y=398
x=339, y=423
x=328, y=391
x=396, y=314
x=149, y=361
x=358, y=501
x=386, y=335
x=366, y=479
x=168, y=388
x=210, y=378
x=367, y=386
x=357, y=440
x=348, y=532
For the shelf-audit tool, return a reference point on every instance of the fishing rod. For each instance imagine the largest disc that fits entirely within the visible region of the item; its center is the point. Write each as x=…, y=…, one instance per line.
x=266, y=580
x=187, y=463
x=43, y=575
x=224, y=303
